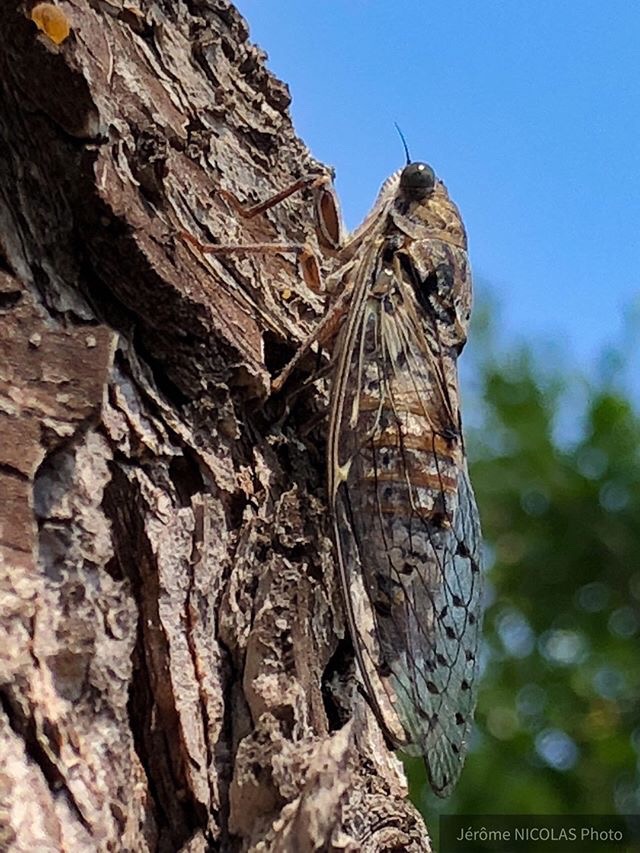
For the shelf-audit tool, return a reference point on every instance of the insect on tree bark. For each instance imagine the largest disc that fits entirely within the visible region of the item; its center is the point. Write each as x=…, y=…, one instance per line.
x=405, y=523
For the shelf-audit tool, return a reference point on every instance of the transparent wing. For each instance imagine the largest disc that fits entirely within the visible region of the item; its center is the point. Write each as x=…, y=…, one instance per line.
x=406, y=522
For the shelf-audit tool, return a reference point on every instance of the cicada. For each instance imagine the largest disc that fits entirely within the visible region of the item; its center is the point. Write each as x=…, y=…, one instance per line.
x=405, y=520
x=405, y=523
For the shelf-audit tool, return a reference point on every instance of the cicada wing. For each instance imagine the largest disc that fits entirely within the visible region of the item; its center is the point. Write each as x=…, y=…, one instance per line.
x=407, y=532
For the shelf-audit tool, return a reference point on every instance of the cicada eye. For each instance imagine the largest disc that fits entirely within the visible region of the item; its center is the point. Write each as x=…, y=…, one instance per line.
x=417, y=180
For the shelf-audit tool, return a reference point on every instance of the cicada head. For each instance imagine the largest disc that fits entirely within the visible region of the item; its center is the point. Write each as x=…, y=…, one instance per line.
x=417, y=181
x=423, y=209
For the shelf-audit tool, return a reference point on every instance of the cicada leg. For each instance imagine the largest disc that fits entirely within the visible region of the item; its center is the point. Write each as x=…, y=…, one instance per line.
x=329, y=230
x=323, y=334
x=327, y=220
x=326, y=209
x=307, y=259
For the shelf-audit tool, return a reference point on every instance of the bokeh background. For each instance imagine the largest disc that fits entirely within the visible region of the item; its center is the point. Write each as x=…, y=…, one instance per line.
x=531, y=114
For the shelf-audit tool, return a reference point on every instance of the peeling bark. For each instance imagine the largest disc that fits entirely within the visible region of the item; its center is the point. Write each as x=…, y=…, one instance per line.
x=174, y=671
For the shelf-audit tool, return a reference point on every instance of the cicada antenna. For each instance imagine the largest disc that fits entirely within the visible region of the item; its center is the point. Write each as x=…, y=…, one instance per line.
x=404, y=142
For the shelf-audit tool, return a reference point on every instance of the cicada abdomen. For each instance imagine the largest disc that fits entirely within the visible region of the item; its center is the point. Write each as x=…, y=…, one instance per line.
x=405, y=520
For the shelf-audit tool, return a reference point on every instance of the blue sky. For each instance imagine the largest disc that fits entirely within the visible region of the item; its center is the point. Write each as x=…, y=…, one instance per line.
x=529, y=110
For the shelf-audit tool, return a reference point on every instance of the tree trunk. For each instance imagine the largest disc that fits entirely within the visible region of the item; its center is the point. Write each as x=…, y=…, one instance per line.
x=174, y=670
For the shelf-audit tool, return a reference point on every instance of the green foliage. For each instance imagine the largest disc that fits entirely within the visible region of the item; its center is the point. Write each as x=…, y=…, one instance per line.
x=558, y=720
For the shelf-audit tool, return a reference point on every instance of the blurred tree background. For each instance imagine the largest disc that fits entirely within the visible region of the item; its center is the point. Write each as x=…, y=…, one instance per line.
x=555, y=460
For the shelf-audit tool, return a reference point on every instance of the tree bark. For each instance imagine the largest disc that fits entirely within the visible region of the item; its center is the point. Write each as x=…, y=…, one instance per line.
x=174, y=670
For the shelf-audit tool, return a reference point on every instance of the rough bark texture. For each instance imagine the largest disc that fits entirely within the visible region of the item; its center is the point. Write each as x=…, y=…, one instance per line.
x=174, y=673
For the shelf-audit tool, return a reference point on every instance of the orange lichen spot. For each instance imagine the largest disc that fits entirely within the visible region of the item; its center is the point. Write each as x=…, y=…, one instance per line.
x=286, y=294
x=52, y=21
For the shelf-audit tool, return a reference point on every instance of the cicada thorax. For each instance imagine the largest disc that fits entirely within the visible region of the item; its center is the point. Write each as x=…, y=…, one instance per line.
x=405, y=519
